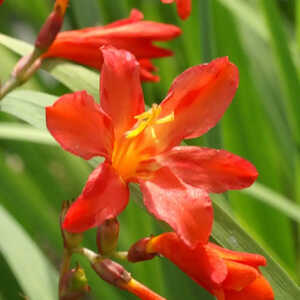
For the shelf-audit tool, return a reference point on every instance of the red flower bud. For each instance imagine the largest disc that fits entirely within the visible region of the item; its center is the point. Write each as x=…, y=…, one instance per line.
x=49, y=31
x=60, y=6
x=107, y=236
x=52, y=25
x=112, y=272
x=138, y=251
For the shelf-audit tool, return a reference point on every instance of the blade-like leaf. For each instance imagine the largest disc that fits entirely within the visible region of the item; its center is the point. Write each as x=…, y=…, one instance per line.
x=275, y=200
x=35, y=274
x=16, y=131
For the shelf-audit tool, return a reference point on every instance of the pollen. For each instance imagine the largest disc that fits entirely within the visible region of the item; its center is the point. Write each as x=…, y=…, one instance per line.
x=148, y=119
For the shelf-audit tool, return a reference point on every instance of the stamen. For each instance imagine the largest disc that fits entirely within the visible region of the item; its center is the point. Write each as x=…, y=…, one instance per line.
x=148, y=119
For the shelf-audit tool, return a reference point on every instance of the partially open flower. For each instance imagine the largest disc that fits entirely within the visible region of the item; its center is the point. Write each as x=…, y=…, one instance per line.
x=141, y=146
x=133, y=34
x=229, y=275
x=183, y=7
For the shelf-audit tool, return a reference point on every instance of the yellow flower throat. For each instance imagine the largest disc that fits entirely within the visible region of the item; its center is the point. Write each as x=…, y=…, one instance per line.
x=129, y=152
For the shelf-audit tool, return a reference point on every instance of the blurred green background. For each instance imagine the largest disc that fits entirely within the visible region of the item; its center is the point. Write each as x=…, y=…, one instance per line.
x=262, y=37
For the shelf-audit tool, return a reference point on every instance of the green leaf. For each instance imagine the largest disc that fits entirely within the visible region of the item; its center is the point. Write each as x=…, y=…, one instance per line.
x=21, y=132
x=283, y=57
x=28, y=106
x=274, y=199
x=74, y=76
x=36, y=275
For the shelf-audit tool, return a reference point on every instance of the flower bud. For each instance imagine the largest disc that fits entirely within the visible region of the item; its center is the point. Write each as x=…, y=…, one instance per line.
x=138, y=251
x=107, y=236
x=112, y=272
x=60, y=6
x=116, y=275
x=49, y=31
x=71, y=240
x=52, y=25
x=74, y=285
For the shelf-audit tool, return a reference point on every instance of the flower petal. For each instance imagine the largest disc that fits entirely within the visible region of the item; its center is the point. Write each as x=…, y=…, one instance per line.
x=260, y=289
x=79, y=125
x=104, y=197
x=251, y=259
x=202, y=265
x=121, y=91
x=146, y=69
x=198, y=98
x=215, y=171
x=184, y=8
x=188, y=210
x=239, y=276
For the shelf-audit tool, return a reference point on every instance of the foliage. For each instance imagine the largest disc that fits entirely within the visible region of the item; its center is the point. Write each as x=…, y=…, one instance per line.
x=262, y=125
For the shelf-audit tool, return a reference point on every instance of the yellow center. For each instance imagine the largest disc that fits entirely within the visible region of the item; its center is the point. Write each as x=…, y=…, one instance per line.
x=130, y=150
x=148, y=119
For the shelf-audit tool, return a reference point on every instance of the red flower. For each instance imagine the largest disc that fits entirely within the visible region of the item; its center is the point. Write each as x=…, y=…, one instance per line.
x=132, y=34
x=183, y=7
x=227, y=274
x=1, y=1
x=141, y=146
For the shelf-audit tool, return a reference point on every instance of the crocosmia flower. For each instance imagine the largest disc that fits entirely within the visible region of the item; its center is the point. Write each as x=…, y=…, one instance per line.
x=132, y=34
x=229, y=275
x=142, y=146
x=183, y=7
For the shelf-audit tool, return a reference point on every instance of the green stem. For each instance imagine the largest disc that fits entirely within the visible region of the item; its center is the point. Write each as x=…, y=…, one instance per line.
x=23, y=71
x=65, y=267
x=66, y=262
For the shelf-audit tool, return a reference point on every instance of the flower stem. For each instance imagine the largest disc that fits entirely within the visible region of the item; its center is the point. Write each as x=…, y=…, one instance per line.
x=122, y=255
x=65, y=266
x=24, y=70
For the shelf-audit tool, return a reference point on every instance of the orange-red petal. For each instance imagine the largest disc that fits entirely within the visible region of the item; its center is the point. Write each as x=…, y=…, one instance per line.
x=216, y=171
x=250, y=259
x=202, y=265
x=79, y=125
x=188, y=210
x=259, y=289
x=121, y=92
x=239, y=276
x=146, y=69
x=198, y=98
x=184, y=7
x=104, y=197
